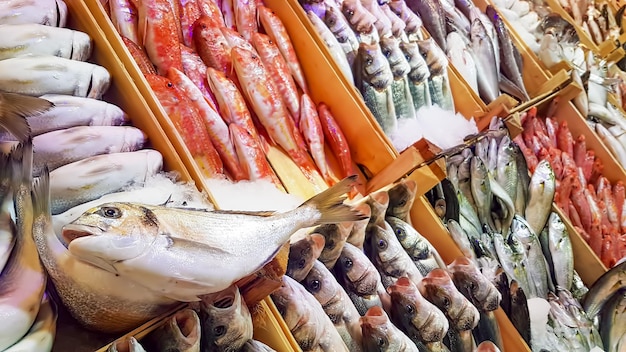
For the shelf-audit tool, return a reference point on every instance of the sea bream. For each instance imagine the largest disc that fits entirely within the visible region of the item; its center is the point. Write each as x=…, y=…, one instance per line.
x=154, y=255
x=36, y=39
x=46, y=12
x=39, y=75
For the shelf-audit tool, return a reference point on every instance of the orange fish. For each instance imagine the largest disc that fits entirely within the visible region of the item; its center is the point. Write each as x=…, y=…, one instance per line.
x=251, y=156
x=139, y=55
x=211, y=44
x=195, y=69
x=245, y=17
x=311, y=128
x=159, y=32
x=190, y=13
x=336, y=139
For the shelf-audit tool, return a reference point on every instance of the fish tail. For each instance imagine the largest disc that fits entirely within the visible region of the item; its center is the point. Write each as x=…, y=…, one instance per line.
x=14, y=108
x=22, y=163
x=330, y=204
x=41, y=193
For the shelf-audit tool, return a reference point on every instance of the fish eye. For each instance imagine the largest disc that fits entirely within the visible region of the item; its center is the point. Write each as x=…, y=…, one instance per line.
x=381, y=342
x=347, y=263
x=170, y=84
x=402, y=203
x=301, y=263
x=349, y=13
x=219, y=330
x=369, y=61
x=382, y=244
x=110, y=212
x=446, y=302
x=472, y=286
x=330, y=244
x=399, y=231
x=315, y=285
x=410, y=308
x=331, y=21
x=386, y=53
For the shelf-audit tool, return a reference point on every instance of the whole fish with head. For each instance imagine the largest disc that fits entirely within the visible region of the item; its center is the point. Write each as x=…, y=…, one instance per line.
x=37, y=39
x=413, y=22
x=510, y=57
x=461, y=239
x=303, y=254
x=383, y=23
x=255, y=346
x=538, y=272
x=125, y=17
x=455, y=17
x=373, y=78
x=126, y=344
x=23, y=277
x=423, y=254
x=336, y=304
x=557, y=249
x=181, y=332
x=357, y=235
x=40, y=336
x=225, y=321
x=339, y=26
x=519, y=316
x=57, y=148
x=397, y=24
x=401, y=198
x=88, y=179
x=505, y=205
x=311, y=129
x=344, y=59
x=14, y=114
x=389, y=257
x=613, y=322
x=359, y=277
x=421, y=320
x=461, y=58
x=245, y=12
x=336, y=139
x=506, y=167
x=196, y=70
x=274, y=27
x=523, y=181
x=418, y=76
x=439, y=83
x=39, y=75
x=513, y=260
x=212, y=46
x=310, y=326
x=604, y=287
x=47, y=12
x=160, y=33
x=335, y=236
x=200, y=238
x=433, y=16
x=380, y=335
x=484, y=58
x=541, y=195
x=481, y=192
x=400, y=91
x=361, y=21
x=251, y=156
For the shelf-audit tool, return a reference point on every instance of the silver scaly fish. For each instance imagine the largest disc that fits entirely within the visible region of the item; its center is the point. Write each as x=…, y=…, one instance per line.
x=334, y=47
x=438, y=82
x=537, y=269
x=423, y=254
x=506, y=167
x=400, y=90
x=303, y=254
x=484, y=59
x=401, y=198
x=412, y=21
x=418, y=76
x=181, y=333
x=557, y=249
x=225, y=321
x=256, y=346
x=335, y=236
x=514, y=263
x=357, y=235
x=606, y=285
x=481, y=192
x=379, y=334
x=36, y=39
x=613, y=323
x=204, y=238
x=461, y=239
x=339, y=26
x=46, y=12
x=541, y=195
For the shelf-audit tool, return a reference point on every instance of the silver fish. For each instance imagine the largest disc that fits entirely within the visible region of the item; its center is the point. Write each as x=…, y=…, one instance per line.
x=181, y=333
x=200, y=239
x=606, y=285
x=541, y=195
x=505, y=204
x=336, y=304
x=335, y=48
x=36, y=39
x=357, y=235
x=129, y=344
x=484, y=59
x=613, y=322
x=461, y=58
x=506, y=167
x=400, y=90
x=514, y=263
x=88, y=179
x=46, y=12
x=40, y=336
x=413, y=28
x=335, y=236
x=58, y=148
x=461, y=239
x=379, y=334
x=438, y=65
x=557, y=249
x=579, y=289
x=38, y=75
x=305, y=318
x=481, y=192
x=418, y=76
x=401, y=198
x=339, y=26
x=538, y=269
x=423, y=254
x=226, y=321
x=433, y=15
x=303, y=254
x=373, y=78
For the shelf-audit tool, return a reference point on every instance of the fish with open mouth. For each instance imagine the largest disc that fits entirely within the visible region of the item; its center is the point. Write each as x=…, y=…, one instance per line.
x=181, y=332
x=225, y=321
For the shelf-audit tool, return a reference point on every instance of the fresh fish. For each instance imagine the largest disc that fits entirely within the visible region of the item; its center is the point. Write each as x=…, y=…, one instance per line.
x=383, y=23
x=251, y=156
x=359, y=277
x=433, y=16
x=276, y=30
x=373, y=78
x=401, y=93
x=89, y=236
x=514, y=261
x=538, y=269
x=37, y=39
x=505, y=203
x=97, y=299
x=303, y=254
x=614, y=146
x=161, y=34
x=357, y=235
x=613, y=322
x=439, y=84
x=57, y=148
x=481, y=192
x=181, y=333
x=579, y=289
x=389, y=257
x=336, y=139
x=506, y=167
x=141, y=58
x=226, y=321
x=40, y=336
x=520, y=316
x=401, y=198
x=125, y=18
x=336, y=304
x=129, y=344
x=541, y=195
x=23, y=277
x=311, y=128
x=418, y=76
x=421, y=320
x=47, y=12
x=245, y=17
x=335, y=236
x=557, y=249
x=523, y=181
x=380, y=335
x=310, y=326
x=461, y=239
x=510, y=58
x=256, y=346
x=69, y=111
x=38, y=75
x=15, y=109
x=423, y=254
x=88, y=179
x=342, y=54
x=484, y=58
x=461, y=58
x=606, y=285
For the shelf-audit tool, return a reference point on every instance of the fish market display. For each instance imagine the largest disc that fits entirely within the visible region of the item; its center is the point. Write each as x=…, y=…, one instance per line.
x=230, y=81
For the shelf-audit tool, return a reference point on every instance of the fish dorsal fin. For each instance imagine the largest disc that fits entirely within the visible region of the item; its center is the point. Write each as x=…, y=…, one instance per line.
x=264, y=213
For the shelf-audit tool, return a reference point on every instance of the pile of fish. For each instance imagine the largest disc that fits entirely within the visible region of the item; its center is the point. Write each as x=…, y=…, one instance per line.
x=595, y=18
x=378, y=285
x=229, y=88
x=589, y=200
x=501, y=218
x=381, y=48
x=220, y=323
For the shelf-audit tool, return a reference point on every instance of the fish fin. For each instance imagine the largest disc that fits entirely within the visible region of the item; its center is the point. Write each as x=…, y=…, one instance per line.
x=507, y=86
x=243, y=212
x=41, y=193
x=22, y=162
x=14, y=108
x=330, y=204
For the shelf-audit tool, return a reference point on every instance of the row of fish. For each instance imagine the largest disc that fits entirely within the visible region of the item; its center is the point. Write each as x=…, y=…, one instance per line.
x=595, y=18
x=220, y=323
x=230, y=81
x=378, y=285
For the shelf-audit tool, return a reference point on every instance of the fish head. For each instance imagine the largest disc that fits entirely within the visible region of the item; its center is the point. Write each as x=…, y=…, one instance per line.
x=378, y=202
x=478, y=30
x=390, y=47
x=184, y=327
x=419, y=69
x=225, y=318
x=112, y=232
x=401, y=197
x=474, y=285
x=100, y=82
x=166, y=91
x=382, y=245
x=375, y=67
x=376, y=331
x=81, y=46
x=412, y=241
x=334, y=22
x=319, y=282
x=335, y=235
x=286, y=299
x=303, y=254
x=356, y=271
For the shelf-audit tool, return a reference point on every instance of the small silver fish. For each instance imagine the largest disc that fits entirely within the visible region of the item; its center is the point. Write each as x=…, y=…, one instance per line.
x=339, y=26
x=335, y=235
x=423, y=254
x=335, y=48
x=537, y=266
x=400, y=90
x=541, y=195
x=418, y=76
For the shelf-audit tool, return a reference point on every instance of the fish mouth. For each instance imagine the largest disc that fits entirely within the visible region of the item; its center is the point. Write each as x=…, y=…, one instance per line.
x=71, y=232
